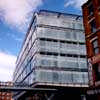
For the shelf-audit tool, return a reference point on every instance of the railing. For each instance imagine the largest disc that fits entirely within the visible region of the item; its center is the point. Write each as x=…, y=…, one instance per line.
x=15, y=87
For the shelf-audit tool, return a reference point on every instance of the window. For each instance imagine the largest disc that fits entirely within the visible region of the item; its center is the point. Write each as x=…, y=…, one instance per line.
x=90, y=7
x=83, y=65
x=73, y=25
x=72, y=64
x=85, y=75
x=97, y=71
x=62, y=45
x=66, y=77
x=55, y=63
x=93, y=26
x=74, y=35
x=99, y=3
x=78, y=26
x=45, y=62
x=42, y=42
x=81, y=36
x=77, y=77
x=42, y=76
x=55, y=76
x=68, y=35
x=95, y=46
x=49, y=76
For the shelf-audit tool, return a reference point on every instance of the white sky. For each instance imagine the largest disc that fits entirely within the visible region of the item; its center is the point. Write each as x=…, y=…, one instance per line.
x=14, y=13
x=7, y=65
x=17, y=12
x=75, y=3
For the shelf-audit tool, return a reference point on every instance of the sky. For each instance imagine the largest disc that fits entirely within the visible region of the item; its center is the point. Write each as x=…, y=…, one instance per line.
x=15, y=16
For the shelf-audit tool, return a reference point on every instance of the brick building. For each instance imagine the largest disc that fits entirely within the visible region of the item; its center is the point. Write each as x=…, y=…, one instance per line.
x=91, y=19
x=5, y=95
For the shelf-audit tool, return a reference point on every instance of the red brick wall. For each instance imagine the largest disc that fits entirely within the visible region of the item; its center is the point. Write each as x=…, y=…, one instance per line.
x=86, y=20
x=5, y=95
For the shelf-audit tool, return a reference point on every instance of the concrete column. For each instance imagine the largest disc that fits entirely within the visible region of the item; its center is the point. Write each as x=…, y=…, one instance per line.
x=49, y=97
x=83, y=97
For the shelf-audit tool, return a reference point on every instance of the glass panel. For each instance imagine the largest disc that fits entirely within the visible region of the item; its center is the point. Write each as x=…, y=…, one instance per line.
x=90, y=8
x=66, y=77
x=69, y=64
x=86, y=80
x=74, y=35
x=68, y=34
x=77, y=78
x=95, y=43
x=72, y=64
x=95, y=46
x=78, y=26
x=42, y=42
x=96, y=50
x=54, y=33
x=54, y=63
x=93, y=26
x=49, y=76
x=42, y=76
x=55, y=77
x=44, y=62
x=83, y=65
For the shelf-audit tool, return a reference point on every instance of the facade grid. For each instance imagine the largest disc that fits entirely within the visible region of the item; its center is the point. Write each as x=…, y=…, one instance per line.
x=53, y=52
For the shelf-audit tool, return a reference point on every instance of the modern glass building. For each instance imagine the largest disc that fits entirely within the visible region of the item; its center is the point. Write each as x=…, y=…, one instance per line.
x=53, y=52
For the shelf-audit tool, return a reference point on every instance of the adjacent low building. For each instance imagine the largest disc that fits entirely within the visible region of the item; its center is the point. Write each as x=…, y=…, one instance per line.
x=6, y=95
x=53, y=52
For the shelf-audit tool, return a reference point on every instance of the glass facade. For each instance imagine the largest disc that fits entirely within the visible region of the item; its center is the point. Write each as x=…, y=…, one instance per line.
x=95, y=47
x=53, y=51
